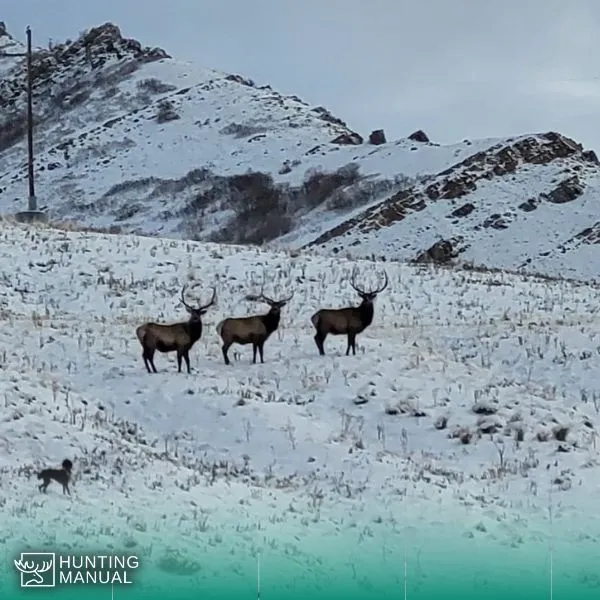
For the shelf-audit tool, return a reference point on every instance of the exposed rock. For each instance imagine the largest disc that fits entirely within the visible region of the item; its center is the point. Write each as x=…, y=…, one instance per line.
x=326, y=116
x=377, y=137
x=529, y=205
x=348, y=139
x=3, y=31
x=566, y=191
x=239, y=79
x=590, y=156
x=463, y=211
x=441, y=252
x=419, y=136
x=497, y=221
x=285, y=168
x=590, y=235
x=463, y=178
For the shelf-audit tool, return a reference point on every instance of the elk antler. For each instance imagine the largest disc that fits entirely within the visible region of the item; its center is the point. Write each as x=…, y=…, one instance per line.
x=211, y=302
x=261, y=296
x=183, y=298
x=385, y=283
x=353, y=281
x=361, y=290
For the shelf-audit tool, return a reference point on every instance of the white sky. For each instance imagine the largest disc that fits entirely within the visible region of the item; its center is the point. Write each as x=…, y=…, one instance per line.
x=456, y=69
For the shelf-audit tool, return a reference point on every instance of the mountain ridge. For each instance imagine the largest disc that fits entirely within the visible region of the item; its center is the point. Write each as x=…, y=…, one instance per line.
x=129, y=139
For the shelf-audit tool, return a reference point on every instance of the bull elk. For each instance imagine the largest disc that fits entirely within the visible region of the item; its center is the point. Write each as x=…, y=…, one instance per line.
x=349, y=321
x=177, y=337
x=253, y=330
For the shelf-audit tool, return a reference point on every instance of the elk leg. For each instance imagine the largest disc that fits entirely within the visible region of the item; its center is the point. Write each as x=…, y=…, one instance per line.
x=260, y=351
x=179, y=356
x=149, y=359
x=145, y=357
x=254, y=349
x=186, y=357
x=351, y=344
x=319, y=340
x=224, y=349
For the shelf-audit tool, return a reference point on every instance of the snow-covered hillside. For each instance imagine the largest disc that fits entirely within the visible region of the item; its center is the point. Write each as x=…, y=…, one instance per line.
x=9, y=48
x=528, y=203
x=471, y=404
x=131, y=139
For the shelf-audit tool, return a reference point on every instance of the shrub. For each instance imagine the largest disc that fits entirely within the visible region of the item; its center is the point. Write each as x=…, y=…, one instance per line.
x=241, y=130
x=155, y=86
x=318, y=185
x=12, y=130
x=166, y=112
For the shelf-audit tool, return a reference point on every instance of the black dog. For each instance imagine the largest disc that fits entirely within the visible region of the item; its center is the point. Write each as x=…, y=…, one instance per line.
x=61, y=476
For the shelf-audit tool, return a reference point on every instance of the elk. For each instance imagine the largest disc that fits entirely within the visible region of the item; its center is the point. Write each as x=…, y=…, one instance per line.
x=177, y=337
x=349, y=321
x=253, y=330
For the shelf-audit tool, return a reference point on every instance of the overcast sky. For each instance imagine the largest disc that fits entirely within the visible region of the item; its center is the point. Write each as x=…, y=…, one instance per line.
x=454, y=68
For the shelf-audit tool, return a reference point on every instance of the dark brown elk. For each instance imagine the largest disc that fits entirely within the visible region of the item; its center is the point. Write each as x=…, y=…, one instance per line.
x=177, y=337
x=349, y=321
x=253, y=330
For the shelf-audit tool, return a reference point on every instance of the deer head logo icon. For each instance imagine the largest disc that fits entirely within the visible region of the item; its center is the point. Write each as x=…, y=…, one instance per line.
x=37, y=569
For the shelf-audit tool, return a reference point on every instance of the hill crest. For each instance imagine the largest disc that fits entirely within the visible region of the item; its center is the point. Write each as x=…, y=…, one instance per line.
x=129, y=139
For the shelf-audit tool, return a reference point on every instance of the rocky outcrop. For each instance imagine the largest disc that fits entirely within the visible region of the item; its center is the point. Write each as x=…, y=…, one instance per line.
x=377, y=137
x=566, y=191
x=590, y=235
x=441, y=253
x=463, y=178
x=463, y=211
x=76, y=60
x=419, y=136
x=348, y=139
x=66, y=75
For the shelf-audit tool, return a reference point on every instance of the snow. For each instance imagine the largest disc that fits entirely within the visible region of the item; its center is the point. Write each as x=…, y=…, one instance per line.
x=113, y=138
x=540, y=241
x=308, y=452
x=529, y=233
x=9, y=46
x=106, y=161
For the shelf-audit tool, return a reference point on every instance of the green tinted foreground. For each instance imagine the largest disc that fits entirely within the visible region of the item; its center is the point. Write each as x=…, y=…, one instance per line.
x=436, y=566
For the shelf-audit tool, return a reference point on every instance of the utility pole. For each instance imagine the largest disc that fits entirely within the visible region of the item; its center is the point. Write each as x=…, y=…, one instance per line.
x=32, y=213
x=32, y=200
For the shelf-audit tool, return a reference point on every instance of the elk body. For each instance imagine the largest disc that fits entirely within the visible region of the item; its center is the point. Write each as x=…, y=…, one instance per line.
x=253, y=330
x=349, y=321
x=177, y=337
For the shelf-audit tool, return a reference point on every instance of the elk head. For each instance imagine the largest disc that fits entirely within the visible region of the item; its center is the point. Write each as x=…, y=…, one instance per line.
x=275, y=305
x=367, y=296
x=197, y=312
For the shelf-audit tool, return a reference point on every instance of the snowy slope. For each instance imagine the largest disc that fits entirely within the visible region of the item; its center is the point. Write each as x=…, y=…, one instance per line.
x=130, y=139
x=103, y=158
x=8, y=47
x=303, y=450
x=503, y=209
